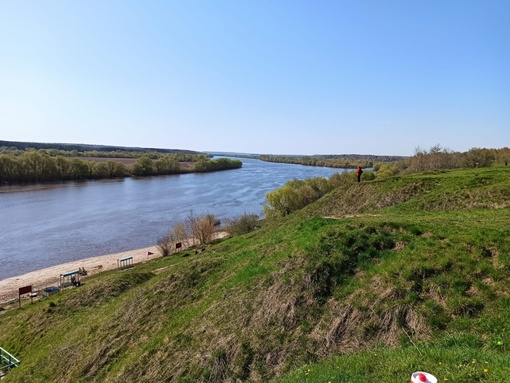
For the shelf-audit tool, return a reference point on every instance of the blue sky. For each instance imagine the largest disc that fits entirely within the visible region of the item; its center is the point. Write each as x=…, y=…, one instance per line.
x=278, y=77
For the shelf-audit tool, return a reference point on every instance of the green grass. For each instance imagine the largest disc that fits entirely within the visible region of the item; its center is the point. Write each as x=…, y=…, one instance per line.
x=455, y=360
x=370, y=283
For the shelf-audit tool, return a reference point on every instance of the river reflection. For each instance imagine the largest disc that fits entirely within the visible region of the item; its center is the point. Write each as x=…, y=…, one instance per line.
x=51, y=224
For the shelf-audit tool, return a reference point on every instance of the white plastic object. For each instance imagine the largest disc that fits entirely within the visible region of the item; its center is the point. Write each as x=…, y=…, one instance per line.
x=423, y=377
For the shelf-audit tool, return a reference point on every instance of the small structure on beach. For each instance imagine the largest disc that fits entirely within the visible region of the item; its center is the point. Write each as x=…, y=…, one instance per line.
x=125, y=263
x=71, y=278
x=50, y=290
x=26, y=290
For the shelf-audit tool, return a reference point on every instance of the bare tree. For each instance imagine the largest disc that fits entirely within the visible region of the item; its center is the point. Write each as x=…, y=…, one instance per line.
x=478, y=158
x=436, y=158
x=201, y=227
x=168, y=243
x=165, y=245
x=180, y=233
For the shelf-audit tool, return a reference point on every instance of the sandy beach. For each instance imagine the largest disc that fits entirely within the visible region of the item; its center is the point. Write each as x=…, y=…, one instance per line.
x=41, y=279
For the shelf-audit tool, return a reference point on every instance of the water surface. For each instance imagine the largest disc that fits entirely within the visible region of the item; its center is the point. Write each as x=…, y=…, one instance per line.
x=51, y=224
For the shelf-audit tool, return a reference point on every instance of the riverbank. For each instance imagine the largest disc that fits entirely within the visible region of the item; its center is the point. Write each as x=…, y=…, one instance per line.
x=104, y=217
x=50, y=276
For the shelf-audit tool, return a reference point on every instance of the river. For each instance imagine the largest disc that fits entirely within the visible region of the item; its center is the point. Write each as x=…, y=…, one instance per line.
x=47, y=225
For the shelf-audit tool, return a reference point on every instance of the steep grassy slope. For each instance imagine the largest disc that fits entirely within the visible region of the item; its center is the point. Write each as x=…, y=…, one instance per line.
x=387, y=265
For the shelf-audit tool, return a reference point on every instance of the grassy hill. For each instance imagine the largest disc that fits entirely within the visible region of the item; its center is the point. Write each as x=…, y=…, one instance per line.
x=370, y=283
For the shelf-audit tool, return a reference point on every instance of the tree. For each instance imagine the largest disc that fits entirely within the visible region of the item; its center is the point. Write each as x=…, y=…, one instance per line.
x=201, y=228
x=313, y=189
x=178, y=234
x=386, y=170
x=48, y=168
x=100, y=170
x=79, y=170
x=436, y=158
x=282, y=201
x=295, y=195
x=166, y=165
x=164, y=245
x=31, y=166
x=62, y=167
x=503, y=155
x=478, y=158
x=8, y=168
x=338, y=179
x=115, y=169
x=243, y=224
x=143, y=166
x=206, y=165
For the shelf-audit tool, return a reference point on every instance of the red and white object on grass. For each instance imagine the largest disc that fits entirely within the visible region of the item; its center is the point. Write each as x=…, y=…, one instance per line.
x=423, y=377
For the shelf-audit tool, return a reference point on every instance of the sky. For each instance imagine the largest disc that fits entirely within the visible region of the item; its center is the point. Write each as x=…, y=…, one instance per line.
x=310, y=77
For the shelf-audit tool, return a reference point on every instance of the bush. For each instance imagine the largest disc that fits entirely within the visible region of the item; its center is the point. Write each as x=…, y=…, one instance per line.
x=165, y=245
x=295, y=195
x=478, y=158
x=343, y=178
x=243, y=224
x=201, y=228
x=387, y=170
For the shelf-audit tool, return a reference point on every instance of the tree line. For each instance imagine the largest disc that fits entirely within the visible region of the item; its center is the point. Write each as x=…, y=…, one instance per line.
x=443, y=158
x=74, y=153
x=39, y=166
x=78, y=149
x=296, y=194
x=199, y=230
x=345, y=161
x=206, y=165
x=437, y=158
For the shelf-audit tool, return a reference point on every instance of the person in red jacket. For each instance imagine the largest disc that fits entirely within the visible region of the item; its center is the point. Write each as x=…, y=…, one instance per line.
x=358, y=173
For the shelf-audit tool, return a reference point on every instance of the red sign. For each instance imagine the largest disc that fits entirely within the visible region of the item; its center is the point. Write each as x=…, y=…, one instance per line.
x=25, y=290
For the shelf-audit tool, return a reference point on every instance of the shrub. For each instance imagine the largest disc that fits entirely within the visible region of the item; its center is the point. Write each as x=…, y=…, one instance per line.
x=295, y=195
x=165, y=245
x=243, y=224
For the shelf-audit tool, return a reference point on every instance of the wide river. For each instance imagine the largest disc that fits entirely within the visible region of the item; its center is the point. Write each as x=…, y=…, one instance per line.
x=46, y=225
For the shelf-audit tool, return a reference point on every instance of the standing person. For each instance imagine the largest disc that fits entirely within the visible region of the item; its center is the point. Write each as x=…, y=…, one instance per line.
x=358, y=173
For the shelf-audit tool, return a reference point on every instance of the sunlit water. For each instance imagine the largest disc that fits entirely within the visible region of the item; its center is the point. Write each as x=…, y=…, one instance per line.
x=53, y=224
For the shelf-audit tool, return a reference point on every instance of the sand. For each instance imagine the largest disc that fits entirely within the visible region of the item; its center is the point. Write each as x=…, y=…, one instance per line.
x=41, y=279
